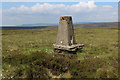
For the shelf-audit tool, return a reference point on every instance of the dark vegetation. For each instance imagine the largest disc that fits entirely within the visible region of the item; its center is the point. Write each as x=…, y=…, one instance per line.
x=29, y=54
x=98, y=25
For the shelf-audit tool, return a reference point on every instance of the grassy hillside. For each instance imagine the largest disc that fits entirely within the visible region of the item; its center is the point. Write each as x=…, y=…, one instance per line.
x=29, y=54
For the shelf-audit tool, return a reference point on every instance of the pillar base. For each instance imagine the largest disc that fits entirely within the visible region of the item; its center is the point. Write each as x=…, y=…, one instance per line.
x=71, y=48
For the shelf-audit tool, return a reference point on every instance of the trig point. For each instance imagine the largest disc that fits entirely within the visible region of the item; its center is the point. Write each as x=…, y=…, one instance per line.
x=65, y=38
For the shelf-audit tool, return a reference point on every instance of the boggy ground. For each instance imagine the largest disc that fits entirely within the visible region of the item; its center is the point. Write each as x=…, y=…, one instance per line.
x=29, y=54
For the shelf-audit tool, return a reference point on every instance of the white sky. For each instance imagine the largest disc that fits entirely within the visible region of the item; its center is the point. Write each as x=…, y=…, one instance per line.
x=50, y=13
x=57, y=0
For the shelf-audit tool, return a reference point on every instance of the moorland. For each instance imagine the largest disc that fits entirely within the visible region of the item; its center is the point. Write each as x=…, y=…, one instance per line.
x=29, y=54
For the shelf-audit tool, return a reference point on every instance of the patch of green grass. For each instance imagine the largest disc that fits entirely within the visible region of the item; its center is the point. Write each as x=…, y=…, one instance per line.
x=29, y=54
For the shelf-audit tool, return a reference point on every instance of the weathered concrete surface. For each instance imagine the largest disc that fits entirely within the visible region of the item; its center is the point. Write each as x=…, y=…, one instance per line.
x=65, y=37
x=68, y=48
x=65, y=31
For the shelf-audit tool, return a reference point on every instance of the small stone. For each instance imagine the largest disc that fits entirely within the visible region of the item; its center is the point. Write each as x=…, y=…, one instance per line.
x=53, y=55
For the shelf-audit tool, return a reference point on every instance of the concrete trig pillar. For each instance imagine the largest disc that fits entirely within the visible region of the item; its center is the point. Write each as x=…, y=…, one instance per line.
x=65, y=37
x=65, y=31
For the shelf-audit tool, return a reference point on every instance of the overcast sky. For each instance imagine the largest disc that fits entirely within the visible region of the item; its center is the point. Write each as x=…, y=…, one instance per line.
x=18, y=13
